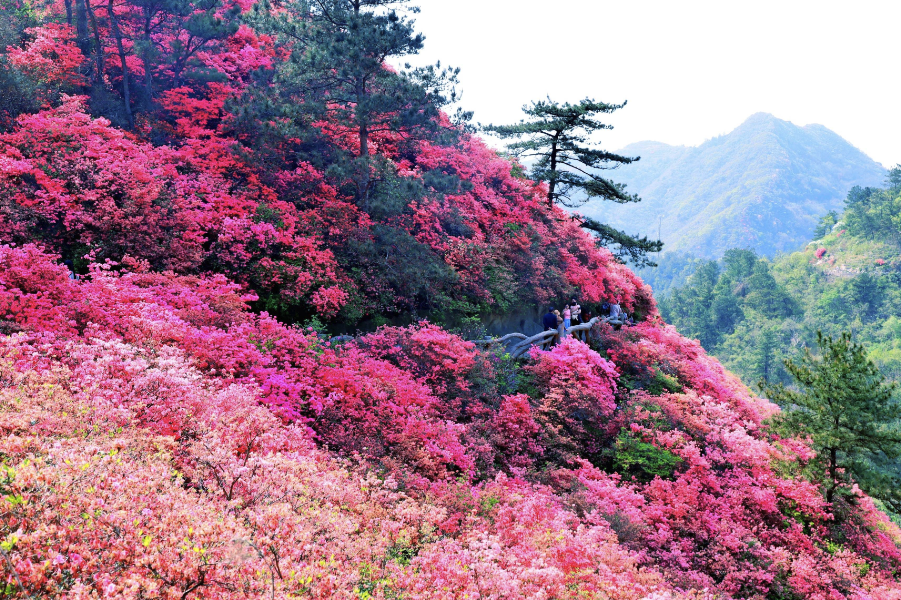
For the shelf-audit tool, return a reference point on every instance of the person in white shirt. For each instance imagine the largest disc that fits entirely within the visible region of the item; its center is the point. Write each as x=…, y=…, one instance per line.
x=575, y=312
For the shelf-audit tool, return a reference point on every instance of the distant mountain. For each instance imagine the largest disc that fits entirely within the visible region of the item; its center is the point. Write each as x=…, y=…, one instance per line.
x=763, y=186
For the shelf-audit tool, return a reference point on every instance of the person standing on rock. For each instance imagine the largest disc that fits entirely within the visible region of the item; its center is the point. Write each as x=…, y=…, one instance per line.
x=567, y=318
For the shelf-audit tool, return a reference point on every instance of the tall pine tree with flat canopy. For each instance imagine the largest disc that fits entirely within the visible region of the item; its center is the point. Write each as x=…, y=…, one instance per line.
x=848, y=410
x=557, y=136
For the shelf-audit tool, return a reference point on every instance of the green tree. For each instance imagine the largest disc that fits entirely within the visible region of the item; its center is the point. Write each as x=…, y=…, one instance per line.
x=689, y=307
x=872, y=212
x=556, y=137
x=764, y=294
x=893, y=181
x=847, y=409
x=337, y=72
x=18, y=94
x=764, y=355
x=824, y=227
x=866, y=294
x=739, y=263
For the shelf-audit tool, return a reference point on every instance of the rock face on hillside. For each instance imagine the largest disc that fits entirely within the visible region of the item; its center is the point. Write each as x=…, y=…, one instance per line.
x=762, y=186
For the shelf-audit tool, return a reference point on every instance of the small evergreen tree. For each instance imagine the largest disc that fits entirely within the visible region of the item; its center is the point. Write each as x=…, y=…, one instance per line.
x=764, y=356
x=893, y=181
x=847, y=409
x=556, y=136
x=824, y=227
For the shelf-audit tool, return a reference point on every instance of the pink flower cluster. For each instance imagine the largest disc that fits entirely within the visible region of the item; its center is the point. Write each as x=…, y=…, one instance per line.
x=161, y=440
x=68, y=180
x=141, y=459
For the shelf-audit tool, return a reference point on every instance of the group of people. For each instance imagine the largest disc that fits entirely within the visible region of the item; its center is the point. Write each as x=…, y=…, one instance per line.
x=573, y=314
x=555, y=319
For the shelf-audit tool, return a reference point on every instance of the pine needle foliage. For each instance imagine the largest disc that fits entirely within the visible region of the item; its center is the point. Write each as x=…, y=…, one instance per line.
x=557, y=138
x=848, y=410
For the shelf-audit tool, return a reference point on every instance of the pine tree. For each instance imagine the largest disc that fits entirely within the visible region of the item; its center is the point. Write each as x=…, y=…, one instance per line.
x=893, y=180
x=338, y=72
x=847, y=409
x=557, y=136
x=764, y=356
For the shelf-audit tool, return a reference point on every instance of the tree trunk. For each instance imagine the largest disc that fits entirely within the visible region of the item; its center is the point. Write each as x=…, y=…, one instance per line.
x=68, y=12
x=833, y=474
x=364, y=164
x=81, y=27
x=148, y=57
x=98, y=46
x=364, y=140
x=126, y=95
x=553, y=182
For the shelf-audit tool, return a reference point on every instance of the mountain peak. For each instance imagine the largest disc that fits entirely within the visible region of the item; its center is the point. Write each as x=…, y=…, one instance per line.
x=762, y=117
x=763, y=185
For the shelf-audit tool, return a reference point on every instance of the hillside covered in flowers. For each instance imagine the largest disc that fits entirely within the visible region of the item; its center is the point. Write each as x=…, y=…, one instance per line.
x=170, y=210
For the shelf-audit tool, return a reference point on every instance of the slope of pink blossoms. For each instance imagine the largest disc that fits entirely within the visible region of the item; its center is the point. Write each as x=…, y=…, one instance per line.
x=159, y=440
x=79, y=185
x=161, y=436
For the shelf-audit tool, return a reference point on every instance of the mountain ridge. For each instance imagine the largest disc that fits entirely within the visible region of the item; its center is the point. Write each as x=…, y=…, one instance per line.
x=762, y=186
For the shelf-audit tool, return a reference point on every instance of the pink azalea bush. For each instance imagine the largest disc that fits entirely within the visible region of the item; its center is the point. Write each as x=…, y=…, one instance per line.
x=160, y=440
x=138, y=466
x=165, y=436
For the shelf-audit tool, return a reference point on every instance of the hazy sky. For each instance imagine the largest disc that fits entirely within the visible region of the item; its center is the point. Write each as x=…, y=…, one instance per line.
x=690, y=70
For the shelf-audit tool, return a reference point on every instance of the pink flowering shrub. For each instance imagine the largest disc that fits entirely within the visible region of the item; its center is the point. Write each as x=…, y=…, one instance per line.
x=50, y=56
x=576, y=388
x=820, y=252
x=135, y=466
x=163, y=435
x=74, y=183
x=440, y=359
x=159, y=439
x=753, y=529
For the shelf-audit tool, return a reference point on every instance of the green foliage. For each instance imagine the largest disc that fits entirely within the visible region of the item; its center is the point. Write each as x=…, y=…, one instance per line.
x=18, y=94
x=335, y=73
x=847, y=410
x=855, y=287
x=663, y=383
x=556, y=136
x=739, y=311
x=825, y=225
x=315, y=324
x=875, y=213
x=642, y=461
x=672, y=271
x=15, y=17
x=893, y=181
x=716, y=300
x=470, y=328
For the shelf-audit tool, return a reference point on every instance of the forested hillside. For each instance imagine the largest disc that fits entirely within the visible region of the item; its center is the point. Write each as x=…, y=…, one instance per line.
x=762, y=186
x=753, y=312
x=219, y=171
x=190, y=190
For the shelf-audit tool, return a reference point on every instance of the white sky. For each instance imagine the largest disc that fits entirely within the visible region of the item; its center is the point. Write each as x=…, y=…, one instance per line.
x=690, y=69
